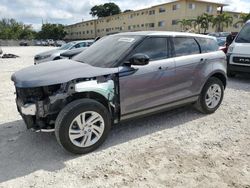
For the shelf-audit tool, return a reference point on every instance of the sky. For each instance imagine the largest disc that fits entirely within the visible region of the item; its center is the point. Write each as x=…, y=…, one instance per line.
x=71, y=11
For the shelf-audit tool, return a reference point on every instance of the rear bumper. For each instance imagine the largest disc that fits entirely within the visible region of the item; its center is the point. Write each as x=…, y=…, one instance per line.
x=238, y=68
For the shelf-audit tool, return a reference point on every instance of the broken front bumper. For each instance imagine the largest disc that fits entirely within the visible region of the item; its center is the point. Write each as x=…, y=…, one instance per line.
x=28, y=109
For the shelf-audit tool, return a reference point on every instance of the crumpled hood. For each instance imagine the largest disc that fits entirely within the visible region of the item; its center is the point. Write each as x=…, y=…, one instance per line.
x=57, y=72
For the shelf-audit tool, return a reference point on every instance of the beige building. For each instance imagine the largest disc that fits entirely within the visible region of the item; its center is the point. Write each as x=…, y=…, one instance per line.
x=163, y=17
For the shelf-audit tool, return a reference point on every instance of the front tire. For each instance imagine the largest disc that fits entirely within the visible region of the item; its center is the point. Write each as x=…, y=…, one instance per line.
x=82, y=126
x=211, y=96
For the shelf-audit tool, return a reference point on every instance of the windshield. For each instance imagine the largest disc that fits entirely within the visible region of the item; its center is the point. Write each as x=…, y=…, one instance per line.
x=67, y=46
x=244, y=35
x=107, y=51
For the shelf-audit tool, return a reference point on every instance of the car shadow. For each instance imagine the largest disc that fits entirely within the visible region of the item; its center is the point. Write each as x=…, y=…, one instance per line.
x=240, y=82
x=23, y=152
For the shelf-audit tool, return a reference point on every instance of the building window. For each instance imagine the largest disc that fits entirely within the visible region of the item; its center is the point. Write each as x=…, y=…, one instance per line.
x=191, y=6
x=161, y=9
x=161, y=24
x=151, y=25
x=142, y=13
x=174, y=22
x=209, y=9
x=176, y=7
x=151, y=12
x=87, y=32
x=142, y=25
x=129, y=27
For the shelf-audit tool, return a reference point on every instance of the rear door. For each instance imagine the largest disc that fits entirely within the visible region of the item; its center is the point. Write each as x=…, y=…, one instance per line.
x=188, y=59
x=151, y=85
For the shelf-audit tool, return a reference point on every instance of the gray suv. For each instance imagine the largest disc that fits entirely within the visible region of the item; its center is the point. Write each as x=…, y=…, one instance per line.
x=120, y=77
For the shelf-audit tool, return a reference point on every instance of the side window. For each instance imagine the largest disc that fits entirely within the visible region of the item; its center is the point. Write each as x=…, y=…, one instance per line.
x=185, y=46
x=155, y=48
x=82, y=44
x=207, y=45
x=76, y=46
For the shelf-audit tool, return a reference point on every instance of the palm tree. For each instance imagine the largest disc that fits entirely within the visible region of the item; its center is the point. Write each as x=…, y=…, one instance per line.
x=221, y=21
x=202, y=22
x=185, y=23
x=206, y=20
x=244, y=17
x=197, y=23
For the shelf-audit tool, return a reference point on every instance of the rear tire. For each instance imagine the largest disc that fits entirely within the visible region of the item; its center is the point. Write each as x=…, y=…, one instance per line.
x=211, y=96
x=82, y=126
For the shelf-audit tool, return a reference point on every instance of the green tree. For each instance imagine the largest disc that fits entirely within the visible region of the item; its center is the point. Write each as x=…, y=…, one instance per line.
x=185, y=24
x=197, y=23
x=206, y=20
x=105, y=10
x=202, y=22
x=221, y=21
x=244, y=17
x=11, y=29
x=52, y=31
x=128, y=10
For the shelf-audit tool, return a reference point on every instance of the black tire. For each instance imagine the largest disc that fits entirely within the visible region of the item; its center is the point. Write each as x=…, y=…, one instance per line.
x=67, y=115
x=201, y=103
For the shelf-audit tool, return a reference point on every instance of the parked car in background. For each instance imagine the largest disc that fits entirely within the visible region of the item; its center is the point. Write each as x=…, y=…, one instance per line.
x=23, y=43
x=37, y=43
x=238, y=55
x=120, y=77
x=71, y=53
x=44, y=43
x=222, y=44
x=50, y=42
x=59, y=43
x=55, y=54
x=222, y=35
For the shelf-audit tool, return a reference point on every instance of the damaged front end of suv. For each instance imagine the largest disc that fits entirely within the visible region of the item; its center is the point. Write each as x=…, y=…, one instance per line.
x=40, y=103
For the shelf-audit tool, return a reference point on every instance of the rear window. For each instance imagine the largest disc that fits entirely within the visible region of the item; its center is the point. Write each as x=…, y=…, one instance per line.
x=207, y=45
x=185, y=46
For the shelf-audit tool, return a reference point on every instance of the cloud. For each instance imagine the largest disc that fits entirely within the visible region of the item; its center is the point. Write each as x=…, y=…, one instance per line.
x=71, y=11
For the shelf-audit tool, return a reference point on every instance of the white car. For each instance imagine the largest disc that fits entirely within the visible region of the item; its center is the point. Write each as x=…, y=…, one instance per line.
x=238, y=55
x=55, y=54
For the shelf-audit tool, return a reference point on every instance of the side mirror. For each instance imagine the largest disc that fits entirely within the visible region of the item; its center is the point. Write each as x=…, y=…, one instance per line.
x=139, y=59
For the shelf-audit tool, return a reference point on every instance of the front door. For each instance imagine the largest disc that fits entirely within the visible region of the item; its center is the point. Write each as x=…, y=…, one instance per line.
x=148, y=86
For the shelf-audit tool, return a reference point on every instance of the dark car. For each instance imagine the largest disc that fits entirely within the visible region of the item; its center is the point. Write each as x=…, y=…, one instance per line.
x=23, y=43
x=120, y=77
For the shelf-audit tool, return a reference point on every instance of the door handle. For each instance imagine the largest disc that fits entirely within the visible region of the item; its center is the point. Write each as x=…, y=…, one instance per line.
x=203, y=60
x=163, y=68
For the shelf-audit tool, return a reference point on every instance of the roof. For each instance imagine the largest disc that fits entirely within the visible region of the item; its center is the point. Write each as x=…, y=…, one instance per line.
x=202, y=1
x=164, y=33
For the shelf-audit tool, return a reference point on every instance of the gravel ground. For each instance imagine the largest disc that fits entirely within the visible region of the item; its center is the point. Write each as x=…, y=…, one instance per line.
x=180, y=148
